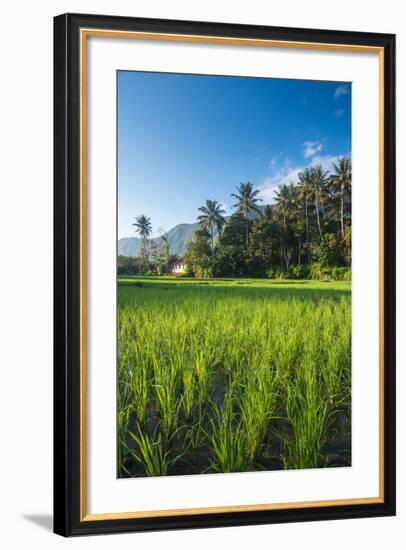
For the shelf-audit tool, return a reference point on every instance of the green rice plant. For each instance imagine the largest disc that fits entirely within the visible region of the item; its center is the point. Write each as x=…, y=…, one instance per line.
x=307, y=414
x=165, y=382
x=123, y=417
x=139, y=384
x=257, y=402
x=196, y=432
x=335, y=358
x=203, y=376
x=152, y=454
x=124, y=375
x=279, y=351
x=189, y=391
x=227, y=439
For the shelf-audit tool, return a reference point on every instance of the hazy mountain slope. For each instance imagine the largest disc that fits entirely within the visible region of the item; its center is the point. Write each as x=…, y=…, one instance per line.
x=178, y=238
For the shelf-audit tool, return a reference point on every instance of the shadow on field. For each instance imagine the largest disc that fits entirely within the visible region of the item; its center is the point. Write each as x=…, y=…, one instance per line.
x=279, y=290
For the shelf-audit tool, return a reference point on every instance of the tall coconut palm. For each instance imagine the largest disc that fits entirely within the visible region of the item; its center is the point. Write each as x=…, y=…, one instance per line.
x=247, y=199
x=305, y=196
x=283, y=202
x=144, y=228
x=318, y=180
x=285, y=206
x=342, y=181
x=212, y=217
x=165, y=251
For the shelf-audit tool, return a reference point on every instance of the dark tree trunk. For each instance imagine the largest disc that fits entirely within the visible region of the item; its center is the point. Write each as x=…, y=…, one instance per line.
x=342, y=213
x=307, y=232
x=318, y=217
x=246, y=231
x=300, y=251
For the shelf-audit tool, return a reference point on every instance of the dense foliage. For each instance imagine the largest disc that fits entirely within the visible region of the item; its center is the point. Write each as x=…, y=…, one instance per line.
x=305, y=233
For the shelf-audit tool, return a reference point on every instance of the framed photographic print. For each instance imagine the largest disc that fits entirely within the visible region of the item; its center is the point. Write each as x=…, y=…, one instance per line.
x=224, y=274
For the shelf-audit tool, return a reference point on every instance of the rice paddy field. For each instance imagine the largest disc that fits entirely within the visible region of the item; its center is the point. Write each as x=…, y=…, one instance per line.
x=226, y=375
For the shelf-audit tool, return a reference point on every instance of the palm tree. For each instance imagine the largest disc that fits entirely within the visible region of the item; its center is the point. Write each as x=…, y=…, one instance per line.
x=212, y=217
x=318, y=180
x=285, y=204
x=144, y=229
x=246, y=203
x=165, y=251
x=305, y=196
x=342, y=180
x=143, y=226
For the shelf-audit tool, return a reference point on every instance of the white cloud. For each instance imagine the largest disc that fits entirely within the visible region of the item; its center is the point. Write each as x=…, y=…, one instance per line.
x=339, y=112
x=325, y=161
x=285, y=175
x=275, y=160
x=341, y=90
x=310, y=148
x=290, y=174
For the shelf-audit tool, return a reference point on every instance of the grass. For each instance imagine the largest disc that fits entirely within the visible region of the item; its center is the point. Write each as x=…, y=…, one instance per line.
x=232, y=375
x=226, y=437
x=152, y=454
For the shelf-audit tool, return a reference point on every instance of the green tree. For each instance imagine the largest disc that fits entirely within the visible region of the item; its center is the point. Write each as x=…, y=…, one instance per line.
x=128, y=265
x=212, y=217
x=156, y=256
x=264, y=243
x=199, y=255
x=234, y=232
x=285, y=204
x=230, y=252
x=229, y=262
x=298, y=222
x=144, y=228
x=318, y=181
x=247, y=202
x=305, y=194
x=165, y=252
x=342, y=180
x=347, y=245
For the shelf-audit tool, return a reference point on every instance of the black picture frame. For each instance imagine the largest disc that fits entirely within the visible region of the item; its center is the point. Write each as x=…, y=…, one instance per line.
x=67, y=381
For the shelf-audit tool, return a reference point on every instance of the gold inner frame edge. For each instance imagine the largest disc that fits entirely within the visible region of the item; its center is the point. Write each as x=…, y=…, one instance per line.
x=84, y=34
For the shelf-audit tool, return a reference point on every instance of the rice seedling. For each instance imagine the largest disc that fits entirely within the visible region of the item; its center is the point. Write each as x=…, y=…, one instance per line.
x=232, y=373
x=306, y=411
x=203, y=375
x=257, y=402
x=123, y=417
x=195, y=432
x=167, y=404
x=152, y=454
x=139, y=383
x=189, y=391
x=227, y=439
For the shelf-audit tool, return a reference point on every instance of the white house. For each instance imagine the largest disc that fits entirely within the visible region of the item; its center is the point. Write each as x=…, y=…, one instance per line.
x=178, y=267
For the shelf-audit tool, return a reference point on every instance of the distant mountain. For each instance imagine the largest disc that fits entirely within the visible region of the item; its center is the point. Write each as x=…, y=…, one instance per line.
x=178, y=238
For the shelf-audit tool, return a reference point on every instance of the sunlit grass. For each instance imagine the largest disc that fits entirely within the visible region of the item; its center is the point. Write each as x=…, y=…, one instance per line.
x=235, y=374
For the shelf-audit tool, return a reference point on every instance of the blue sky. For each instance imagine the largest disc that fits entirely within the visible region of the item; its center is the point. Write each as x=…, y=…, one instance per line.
x=183, y=139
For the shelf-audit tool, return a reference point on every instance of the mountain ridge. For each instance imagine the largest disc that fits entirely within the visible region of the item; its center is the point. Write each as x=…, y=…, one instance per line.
x=178, y=238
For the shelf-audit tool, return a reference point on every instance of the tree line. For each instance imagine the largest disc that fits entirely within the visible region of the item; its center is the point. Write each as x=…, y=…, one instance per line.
x=154, y=254
x=305, y=233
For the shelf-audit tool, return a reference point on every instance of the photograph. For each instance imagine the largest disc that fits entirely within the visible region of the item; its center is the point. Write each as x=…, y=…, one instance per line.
x=234, y=317
x=224, y=298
